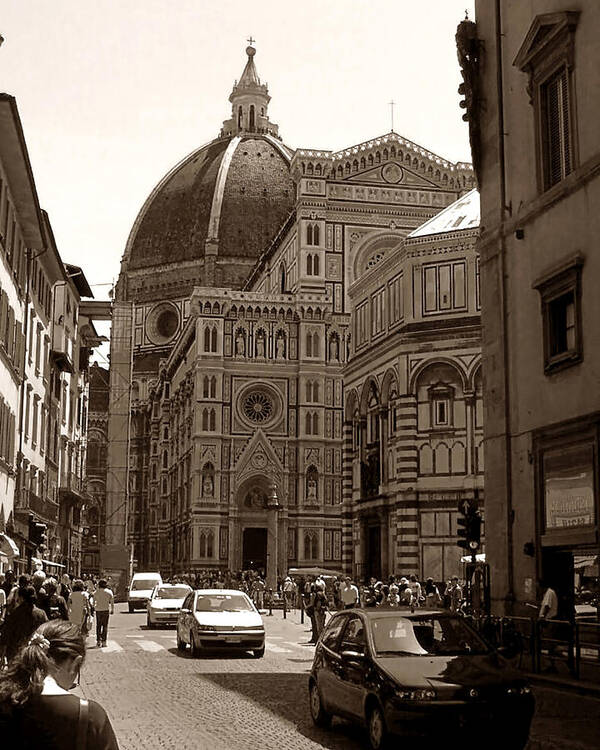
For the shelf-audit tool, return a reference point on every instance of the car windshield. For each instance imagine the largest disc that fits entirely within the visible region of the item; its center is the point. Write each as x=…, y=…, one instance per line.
x=172, y=593
x=142, y=584
x=223, y=603
x=425, y=636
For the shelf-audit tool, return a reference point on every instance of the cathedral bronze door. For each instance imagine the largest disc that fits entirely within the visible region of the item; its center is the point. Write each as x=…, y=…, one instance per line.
x=254, y=549
x=373, y=551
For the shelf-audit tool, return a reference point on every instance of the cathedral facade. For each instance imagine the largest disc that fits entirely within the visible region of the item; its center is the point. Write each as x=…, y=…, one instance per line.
x=234, y=329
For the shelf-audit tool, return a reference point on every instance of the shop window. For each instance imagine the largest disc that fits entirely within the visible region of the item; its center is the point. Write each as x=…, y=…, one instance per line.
x=560, y=293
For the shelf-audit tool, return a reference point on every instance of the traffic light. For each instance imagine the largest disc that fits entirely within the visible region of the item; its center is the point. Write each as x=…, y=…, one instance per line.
x=469, y=531
x=38, y=532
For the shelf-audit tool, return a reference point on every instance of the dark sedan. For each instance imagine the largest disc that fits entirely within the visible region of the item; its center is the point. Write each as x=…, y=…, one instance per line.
x=422, y=673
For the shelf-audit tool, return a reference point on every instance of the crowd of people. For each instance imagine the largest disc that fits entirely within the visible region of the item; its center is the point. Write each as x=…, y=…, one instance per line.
x=44, y=624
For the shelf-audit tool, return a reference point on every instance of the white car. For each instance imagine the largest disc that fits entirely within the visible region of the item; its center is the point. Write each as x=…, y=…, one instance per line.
x=165, y=602
x=220, y=618
x=140, y=589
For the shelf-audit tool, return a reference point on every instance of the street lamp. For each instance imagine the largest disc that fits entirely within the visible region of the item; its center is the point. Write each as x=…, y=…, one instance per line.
x=273, y=508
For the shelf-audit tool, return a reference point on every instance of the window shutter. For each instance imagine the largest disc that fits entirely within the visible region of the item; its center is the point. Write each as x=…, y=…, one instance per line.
x=558, y=128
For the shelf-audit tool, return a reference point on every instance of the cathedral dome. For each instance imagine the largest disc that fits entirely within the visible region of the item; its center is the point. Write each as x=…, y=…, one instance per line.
x=226, y=200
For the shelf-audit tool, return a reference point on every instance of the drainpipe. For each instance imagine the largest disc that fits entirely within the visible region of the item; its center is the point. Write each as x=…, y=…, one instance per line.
x=510, y=593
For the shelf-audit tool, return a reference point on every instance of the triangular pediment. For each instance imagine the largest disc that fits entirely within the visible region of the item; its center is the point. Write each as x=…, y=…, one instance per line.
x=258, y=458
x=543, y=33
x=393, y=173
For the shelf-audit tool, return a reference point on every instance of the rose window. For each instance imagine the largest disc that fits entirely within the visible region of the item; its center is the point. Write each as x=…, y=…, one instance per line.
x=258, y=407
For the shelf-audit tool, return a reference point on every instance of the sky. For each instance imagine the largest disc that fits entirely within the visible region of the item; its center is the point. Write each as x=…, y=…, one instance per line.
x=113, y=93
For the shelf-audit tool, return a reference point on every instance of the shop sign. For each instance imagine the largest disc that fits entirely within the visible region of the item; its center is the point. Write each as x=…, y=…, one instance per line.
x=569, y=488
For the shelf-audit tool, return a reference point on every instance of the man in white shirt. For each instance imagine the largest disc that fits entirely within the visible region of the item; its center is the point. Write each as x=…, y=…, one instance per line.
x=349, y=594
x=549, y=605
x=104, y=604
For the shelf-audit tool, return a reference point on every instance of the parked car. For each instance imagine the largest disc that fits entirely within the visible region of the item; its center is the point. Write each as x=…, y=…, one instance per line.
x=140, y=589
x=418, y=673
x=165, y=602
x=219, y=618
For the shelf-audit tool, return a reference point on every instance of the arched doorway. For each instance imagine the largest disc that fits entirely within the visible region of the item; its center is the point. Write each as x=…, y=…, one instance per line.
x=253, y=497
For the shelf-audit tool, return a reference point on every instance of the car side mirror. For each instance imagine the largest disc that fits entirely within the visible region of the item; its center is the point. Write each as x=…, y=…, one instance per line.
x=184, y=610
x=352, y=656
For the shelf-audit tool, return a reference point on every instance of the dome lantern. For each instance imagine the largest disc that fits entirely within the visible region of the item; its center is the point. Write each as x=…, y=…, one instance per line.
x=249, y=103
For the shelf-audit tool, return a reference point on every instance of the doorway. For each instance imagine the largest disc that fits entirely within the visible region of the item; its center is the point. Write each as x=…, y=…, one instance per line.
x=254, y=549
x=558, y=571
x=373, y=556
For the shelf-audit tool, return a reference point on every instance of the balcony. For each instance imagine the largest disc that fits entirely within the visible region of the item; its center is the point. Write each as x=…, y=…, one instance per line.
x=28, y=502
x=72, y=487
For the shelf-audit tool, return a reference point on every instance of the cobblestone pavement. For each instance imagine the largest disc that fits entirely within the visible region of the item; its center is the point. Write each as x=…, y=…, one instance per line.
x=159, y=698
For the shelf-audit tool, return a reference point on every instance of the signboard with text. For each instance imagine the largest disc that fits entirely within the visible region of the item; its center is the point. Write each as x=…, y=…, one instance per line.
x=569, y=496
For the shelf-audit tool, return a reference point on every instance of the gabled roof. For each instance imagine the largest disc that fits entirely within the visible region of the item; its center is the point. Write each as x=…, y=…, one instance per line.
x=458, y=216
x=15, y=159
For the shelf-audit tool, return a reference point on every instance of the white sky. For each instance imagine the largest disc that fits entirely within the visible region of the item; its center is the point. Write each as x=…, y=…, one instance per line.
x=113, y=93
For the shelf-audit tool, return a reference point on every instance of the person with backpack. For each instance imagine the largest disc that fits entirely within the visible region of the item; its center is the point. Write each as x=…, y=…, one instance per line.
x=320, y=605
x=36, y=708
x=54, y=605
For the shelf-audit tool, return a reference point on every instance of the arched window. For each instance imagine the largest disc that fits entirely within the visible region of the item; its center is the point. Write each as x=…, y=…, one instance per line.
x=165, y=459
x=205, y=420
x=282, y=281
x=309, y=349
x=206, y=542
x=213, y=387
x=309, y=390
x=205, y=387
x=308, y=423
x=240, y=116
x=315, y=391
x=165, y=486
x=207, y=339
x=315, y=424
x=252, y=126
x=213, y=340
x=316, y=235
x=309, y=264
x=316, y=345
x=153, y=471
x=213, y=420
x=310, y=545
x=316, y=265
x=165, y=433
x=309, y=234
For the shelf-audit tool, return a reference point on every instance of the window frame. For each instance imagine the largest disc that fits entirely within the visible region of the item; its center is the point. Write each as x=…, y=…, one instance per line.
x=553, y=286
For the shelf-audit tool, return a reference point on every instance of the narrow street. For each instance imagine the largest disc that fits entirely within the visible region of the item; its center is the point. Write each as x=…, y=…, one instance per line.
x=159, y=698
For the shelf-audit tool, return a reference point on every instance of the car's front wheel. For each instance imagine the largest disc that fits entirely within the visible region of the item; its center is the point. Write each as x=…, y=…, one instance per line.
x=376, y=728
x=259, y=652
x=320, y=717
x=194, y=647
x=149, y=624
x=131, y=609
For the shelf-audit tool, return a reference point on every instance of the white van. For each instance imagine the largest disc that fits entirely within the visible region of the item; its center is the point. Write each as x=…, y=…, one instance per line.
x=140, y=589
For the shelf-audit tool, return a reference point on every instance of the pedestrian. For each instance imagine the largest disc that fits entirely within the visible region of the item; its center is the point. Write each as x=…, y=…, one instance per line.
x=415, y=588
x=320, y=606
x=9, y=582
x=309, y=608
x=38, y=579
x=20, y=623
x=454, y=593
x=65, y=586
x=349, y=595
x=54, y=605
x=36, y=709
x=549, y=605
x=432, y=594
x=104, y=605
x=288, y=592
x=79, y=607
x=2, y=597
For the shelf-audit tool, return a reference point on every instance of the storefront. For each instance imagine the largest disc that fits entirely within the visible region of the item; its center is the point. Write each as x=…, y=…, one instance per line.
x=567, y=485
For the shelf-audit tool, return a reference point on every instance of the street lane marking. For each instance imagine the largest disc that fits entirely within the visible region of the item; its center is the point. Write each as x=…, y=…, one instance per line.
x=150, y=646
x=276, y=649
x=111, y=646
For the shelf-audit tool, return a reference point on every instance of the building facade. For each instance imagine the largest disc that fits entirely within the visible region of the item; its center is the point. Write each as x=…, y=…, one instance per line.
x=232, y=321
x=413, y=399
x=540, y=192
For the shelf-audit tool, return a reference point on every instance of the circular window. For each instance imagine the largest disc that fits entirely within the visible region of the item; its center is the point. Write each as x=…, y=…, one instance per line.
x=258, y=407
x=162, y=323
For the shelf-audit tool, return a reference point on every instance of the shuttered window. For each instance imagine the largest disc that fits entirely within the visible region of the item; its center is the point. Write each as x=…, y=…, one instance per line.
x=557, y=128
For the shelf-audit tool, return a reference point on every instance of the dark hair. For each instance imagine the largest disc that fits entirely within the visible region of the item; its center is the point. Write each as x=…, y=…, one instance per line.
x=50, y=586
x=24, y=580
x=78, y=585
x=24, y=677
x=102, y=583
x=28, y=594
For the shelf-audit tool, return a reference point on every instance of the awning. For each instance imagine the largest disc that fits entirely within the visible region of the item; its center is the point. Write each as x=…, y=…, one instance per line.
x=56, y=565
x=7, y=546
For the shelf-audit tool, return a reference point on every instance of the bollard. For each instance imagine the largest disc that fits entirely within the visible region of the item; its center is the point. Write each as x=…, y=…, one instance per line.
x=301, y=610
x=270, y=602
x=284, y=605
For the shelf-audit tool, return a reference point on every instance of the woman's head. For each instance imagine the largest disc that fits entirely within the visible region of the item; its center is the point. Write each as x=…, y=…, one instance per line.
x=26, y=594
x=57, y=648
x=78, y=585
